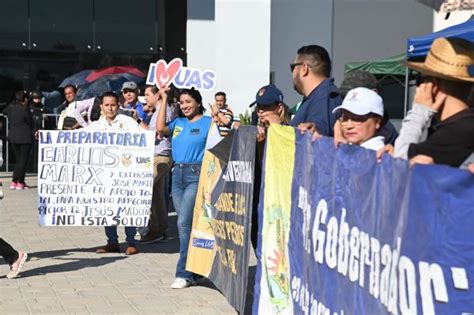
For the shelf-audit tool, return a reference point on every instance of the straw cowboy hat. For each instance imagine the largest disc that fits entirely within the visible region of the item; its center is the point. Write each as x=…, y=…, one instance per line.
x=448, y=58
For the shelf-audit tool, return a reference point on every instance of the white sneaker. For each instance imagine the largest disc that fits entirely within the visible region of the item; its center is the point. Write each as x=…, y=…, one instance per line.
x=181, y=283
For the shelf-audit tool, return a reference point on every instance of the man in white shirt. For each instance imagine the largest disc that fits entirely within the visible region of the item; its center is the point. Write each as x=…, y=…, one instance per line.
x=84, y=106
x=111, y=120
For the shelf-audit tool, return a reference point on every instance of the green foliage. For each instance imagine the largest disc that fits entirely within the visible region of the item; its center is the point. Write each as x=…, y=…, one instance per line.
x=245, y=118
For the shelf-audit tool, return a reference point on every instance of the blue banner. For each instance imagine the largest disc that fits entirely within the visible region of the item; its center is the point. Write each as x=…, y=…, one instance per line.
x=374, y=238
x=340, y=233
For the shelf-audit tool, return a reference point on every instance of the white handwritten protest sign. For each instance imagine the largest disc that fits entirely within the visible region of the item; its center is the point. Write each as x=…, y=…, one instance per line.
x=95, y=177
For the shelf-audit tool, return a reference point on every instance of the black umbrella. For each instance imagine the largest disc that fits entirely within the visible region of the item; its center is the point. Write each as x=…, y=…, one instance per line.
x=76, y=79
x=111, y=82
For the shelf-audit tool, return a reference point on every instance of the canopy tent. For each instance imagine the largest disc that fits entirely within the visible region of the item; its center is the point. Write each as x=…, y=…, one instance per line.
x=389, y=66
x=418, y=46
x=390, y=73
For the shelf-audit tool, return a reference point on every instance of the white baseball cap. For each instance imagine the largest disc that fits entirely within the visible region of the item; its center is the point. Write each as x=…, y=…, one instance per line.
x=362, y=101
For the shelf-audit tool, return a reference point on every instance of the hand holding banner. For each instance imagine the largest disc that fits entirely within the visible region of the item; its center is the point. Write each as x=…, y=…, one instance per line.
x=361, y=237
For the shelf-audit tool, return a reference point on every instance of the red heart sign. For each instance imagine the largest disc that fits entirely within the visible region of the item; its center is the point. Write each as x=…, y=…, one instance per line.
x=165, y=73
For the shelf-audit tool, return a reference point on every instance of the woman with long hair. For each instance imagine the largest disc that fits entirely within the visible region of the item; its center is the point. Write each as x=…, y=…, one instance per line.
x=188, y=142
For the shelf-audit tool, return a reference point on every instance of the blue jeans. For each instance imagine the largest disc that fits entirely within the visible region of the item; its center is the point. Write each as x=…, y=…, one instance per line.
x=183, y=190
x=112, y=236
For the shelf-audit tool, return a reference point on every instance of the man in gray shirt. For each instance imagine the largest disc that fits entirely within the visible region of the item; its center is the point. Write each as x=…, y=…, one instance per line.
x=158, y=223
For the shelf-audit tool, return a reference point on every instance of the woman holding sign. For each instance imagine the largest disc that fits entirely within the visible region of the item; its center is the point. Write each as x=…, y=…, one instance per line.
x=188, y=142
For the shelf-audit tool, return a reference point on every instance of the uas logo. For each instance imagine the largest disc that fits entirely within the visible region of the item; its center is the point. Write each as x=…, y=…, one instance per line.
x=162, y=74
x=145, y=161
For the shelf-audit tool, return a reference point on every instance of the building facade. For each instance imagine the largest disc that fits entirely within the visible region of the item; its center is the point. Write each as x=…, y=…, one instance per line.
x=248, y=43
x=42, y=42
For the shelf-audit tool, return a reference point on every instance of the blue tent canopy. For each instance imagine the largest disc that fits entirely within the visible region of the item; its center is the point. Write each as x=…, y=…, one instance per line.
x=418, y=46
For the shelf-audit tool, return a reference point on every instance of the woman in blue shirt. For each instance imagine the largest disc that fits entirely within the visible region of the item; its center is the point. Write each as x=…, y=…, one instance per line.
x=188, y=142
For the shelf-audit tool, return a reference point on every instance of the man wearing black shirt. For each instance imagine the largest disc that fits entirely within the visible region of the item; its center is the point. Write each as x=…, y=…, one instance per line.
x=448, y=76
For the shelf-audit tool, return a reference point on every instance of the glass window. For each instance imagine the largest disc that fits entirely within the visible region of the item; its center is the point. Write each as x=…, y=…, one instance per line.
x=61, y=25
x=11, y=80
x=126, y=26
x=14, y=24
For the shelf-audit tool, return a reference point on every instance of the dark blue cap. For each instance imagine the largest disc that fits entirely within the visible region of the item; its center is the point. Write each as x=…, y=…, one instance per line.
x=268, y=95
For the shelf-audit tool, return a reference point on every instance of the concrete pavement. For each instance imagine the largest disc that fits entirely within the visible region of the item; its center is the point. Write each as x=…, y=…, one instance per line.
x=64, y=275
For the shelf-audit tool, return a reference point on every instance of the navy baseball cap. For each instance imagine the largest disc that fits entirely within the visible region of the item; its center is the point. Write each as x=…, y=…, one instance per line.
x=268, y=95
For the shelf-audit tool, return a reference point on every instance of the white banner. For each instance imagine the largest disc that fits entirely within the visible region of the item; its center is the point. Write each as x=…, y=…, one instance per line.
x=95, y=177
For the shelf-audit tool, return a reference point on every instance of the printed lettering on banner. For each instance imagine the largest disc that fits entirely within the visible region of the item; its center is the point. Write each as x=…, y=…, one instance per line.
x=345, y=234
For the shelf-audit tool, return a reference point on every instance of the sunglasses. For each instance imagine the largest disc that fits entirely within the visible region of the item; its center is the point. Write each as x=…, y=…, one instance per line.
x=356, y=119
x=125, y=91
x=294, y=65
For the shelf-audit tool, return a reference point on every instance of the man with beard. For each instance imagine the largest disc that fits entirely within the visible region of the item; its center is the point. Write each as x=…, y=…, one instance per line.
x=311, y=72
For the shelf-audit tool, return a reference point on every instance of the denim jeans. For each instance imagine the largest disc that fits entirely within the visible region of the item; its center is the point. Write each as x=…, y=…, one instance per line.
x=183, y=190
x=112, y=236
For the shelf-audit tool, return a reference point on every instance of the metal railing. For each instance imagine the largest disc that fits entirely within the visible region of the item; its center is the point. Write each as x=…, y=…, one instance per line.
x=4, y=137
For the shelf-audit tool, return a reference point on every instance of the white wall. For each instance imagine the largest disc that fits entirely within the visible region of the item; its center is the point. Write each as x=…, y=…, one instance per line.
x=351, y=30
x=235, y=44
x=297, y=23
x=375, y=29
x=243, y=40
x=440, y=22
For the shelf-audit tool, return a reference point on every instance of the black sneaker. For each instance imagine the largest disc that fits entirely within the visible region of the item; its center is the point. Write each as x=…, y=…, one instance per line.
x=153, y=238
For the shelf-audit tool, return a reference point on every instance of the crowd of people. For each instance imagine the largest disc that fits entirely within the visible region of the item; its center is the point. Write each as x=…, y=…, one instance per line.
x=439, y=129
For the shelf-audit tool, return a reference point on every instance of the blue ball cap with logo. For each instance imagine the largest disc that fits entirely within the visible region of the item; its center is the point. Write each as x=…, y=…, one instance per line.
x=268, y=95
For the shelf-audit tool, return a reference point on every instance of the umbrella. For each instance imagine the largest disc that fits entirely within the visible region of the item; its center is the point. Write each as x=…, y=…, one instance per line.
x=111, y=82
x=114, y=70
x=76, y=79
x=449, y=5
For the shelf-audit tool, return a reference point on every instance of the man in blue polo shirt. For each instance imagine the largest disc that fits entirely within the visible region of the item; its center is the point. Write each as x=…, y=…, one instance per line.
x=311, y=72
x=130, y=94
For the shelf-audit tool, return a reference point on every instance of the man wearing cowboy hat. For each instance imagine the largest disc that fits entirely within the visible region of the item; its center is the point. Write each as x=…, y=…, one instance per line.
x=444, y=95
